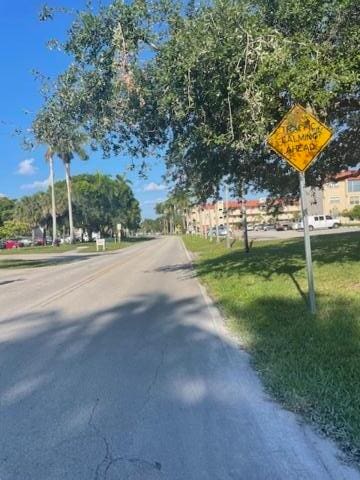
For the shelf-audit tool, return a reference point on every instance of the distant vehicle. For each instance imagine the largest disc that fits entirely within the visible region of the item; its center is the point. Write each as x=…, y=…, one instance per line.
x=259, y=226
x=318, y=222
x=268, y=226
x=39, y=242
x=222, y=231
x=27, y=242
x=250, y=227
x=10, y=244
x=283, y=226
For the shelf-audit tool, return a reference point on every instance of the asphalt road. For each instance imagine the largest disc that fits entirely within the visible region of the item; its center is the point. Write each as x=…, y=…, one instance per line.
x=119, y=367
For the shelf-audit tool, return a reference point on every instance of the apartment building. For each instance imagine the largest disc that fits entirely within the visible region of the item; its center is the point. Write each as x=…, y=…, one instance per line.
x=332, y=199
x=343, y=194
x=203, y=217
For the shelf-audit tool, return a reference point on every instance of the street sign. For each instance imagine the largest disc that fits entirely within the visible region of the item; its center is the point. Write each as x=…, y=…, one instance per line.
x=299, y=138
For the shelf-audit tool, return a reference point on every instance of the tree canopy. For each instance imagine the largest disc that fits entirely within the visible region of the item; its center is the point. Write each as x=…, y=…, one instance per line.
x=7, y=207
x=100, y=202
x=207, y=84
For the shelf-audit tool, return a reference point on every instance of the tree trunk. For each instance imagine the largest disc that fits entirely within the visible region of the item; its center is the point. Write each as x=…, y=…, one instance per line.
x=53, y=206
x=68, y=185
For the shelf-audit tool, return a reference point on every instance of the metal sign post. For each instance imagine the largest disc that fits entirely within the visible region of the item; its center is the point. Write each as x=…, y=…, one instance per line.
x=299, y=138
x=309, y=266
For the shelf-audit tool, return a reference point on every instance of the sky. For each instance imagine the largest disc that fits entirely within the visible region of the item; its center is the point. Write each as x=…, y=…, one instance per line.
x=23, y=40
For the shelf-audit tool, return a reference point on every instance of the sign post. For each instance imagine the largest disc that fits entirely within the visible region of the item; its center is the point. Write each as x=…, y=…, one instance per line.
x=309, y=266
x=299, y=138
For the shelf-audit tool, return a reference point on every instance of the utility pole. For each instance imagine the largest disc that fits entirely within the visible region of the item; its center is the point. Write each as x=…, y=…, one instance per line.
x=309, y=266
x=227, y=216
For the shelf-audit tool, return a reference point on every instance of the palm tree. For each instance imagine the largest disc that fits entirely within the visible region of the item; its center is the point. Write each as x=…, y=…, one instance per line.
x=49, y=157
x=66, y=150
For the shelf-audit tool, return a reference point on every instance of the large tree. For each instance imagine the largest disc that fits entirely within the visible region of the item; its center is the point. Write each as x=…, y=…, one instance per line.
x=7, y=207
x=99, y=203
x=56, y=126
x=209, y=83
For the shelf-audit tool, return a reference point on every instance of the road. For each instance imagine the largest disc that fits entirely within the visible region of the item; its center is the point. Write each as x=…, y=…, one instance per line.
x=119, y=367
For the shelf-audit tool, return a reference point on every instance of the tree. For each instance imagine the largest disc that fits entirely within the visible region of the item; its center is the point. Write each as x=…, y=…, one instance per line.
x=353, y=214
x=151, y=225
x=13, y=228
x=99, y=203
x=7, y=207
x=57, y=126
x=32, y=211
x=218, y=79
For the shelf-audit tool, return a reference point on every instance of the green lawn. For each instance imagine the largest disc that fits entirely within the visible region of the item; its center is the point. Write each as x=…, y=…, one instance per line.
x=77, y=247
x=6, y=262
x=310, y=363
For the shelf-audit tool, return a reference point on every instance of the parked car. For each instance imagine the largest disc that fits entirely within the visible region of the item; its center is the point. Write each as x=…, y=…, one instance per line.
x=27, y=242
x=259, y=226
x=318, y=222
x=39, y=242
x=9, y=244
x=268, y=226
x=283, y=226
x=250, y=227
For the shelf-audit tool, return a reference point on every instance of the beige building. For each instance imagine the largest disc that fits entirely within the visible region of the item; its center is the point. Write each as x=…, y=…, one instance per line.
x=332, y=199
x=203, y=217
x=342, y=195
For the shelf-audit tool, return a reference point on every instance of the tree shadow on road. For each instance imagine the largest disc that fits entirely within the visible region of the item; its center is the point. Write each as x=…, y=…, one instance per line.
x=133, y=391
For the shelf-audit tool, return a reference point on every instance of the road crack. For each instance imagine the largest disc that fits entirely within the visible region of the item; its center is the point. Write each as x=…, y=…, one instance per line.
x=108, y=460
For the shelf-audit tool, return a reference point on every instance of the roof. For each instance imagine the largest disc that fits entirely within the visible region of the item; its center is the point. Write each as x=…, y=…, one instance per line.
x=347, y=174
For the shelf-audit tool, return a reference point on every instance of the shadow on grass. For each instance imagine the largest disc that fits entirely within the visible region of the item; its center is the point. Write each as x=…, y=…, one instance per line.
x=9, y=263
x=283, y=258
x=311, y=364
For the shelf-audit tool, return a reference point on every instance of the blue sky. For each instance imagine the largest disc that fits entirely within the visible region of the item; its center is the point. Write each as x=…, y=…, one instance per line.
x=23, y=48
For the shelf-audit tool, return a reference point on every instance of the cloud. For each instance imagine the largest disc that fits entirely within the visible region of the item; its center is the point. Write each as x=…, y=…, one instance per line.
x=154, y=187
x=2, y=195
x=37, y=185
x=26, y=167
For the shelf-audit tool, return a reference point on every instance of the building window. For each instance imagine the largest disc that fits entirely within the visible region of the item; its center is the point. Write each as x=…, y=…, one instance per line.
x=333, y=185
x=354, y=200
x=353, y=186
x=334, y=200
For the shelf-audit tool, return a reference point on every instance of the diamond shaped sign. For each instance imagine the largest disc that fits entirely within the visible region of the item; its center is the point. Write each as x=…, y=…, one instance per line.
x=299, y=138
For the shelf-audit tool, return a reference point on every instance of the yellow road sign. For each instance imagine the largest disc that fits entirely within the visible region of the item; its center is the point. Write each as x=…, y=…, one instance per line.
x=299, y=138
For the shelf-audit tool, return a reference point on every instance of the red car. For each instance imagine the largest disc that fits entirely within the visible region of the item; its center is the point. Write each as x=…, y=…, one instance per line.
x=8, y=244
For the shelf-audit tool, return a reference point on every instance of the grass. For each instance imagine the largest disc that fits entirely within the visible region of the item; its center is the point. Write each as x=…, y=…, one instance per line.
x=11, y=263
x=77, y=247
x=309, y=363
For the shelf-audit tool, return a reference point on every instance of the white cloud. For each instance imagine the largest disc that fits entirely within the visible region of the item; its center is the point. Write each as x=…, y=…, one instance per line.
x=26, y=167
x=154, y=187
x=2, y=195
x=37, y=185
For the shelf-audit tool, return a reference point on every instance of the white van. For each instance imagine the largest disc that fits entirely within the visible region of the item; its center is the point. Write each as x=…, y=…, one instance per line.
x=318, y=221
